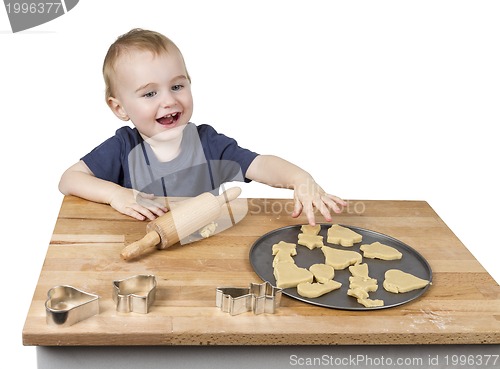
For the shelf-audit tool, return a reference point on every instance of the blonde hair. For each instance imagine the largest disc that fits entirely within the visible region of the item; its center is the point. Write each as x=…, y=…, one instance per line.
x=138, y=39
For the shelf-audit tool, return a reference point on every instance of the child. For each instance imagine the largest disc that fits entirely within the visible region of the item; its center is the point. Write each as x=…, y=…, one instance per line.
x=165, y=155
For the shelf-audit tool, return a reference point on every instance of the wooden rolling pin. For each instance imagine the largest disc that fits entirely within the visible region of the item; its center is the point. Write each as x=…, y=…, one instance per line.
x=184, y=219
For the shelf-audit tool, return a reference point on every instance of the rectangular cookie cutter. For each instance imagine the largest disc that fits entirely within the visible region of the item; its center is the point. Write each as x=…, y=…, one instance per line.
x=67, y=305
x=136, y=293
x=259, y=298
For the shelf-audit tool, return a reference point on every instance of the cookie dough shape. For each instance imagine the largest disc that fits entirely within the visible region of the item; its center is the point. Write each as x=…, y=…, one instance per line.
x=340, y=259
x=378, y=250
x=290, y=275
x=322, y=272
x=310, y=241
x=283, y=252
x=286, y=247
x=313, y=290
x=369, y=303
x=360, y=284
x=367, y=284
x=359, y=293
x=397, y=281
x=359, y=270
x=339, y=235
x=309, y=229
x=283, y=257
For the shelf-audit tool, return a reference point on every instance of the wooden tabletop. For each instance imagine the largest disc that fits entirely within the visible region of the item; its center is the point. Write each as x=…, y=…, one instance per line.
x=461, y=307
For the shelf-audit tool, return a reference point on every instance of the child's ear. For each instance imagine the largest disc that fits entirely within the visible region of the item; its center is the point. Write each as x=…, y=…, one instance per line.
x=117, y=108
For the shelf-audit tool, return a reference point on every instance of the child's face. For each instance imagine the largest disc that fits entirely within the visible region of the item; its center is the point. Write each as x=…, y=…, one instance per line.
x=152, y=91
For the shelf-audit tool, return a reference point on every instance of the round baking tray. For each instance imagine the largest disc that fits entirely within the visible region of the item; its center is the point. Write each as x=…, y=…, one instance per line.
x=412, y=262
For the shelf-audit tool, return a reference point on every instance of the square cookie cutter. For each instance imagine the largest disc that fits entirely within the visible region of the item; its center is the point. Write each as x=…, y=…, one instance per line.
x=136, y=293
x=67, y=305
x=259, y=298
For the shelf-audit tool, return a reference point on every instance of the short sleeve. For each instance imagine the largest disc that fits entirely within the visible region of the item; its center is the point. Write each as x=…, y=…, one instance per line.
x=220, y=147
x=109, y=160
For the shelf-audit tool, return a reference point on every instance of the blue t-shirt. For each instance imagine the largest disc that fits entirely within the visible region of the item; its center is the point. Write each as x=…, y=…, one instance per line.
x=207, y=159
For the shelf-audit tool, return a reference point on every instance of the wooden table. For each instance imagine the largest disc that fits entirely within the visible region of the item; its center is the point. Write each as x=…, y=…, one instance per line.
x=461, y=307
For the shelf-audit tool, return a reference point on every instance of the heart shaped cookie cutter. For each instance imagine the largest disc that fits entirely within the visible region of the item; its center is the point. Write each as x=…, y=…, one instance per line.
x=67, y=305
x=136, y=293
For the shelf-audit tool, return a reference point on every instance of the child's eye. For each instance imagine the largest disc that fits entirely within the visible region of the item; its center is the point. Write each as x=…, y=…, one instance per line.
x=177, y=87
x=150, y=94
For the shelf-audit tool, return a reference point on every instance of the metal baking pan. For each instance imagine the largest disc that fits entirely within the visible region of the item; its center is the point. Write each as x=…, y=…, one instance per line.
x=261, y=259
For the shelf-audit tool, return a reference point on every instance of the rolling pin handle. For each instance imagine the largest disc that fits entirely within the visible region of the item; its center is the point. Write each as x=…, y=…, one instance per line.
x=150, y=240
x=229, y=195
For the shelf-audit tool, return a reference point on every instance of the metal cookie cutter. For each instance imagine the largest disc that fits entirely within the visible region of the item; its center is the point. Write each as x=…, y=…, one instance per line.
x=67, y=305
x=259, y=298
x=135, y=293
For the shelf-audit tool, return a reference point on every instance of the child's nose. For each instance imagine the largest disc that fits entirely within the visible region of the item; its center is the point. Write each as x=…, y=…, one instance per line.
x=168, y=100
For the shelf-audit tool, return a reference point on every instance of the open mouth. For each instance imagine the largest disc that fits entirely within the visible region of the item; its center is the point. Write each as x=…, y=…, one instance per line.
x=169, y=119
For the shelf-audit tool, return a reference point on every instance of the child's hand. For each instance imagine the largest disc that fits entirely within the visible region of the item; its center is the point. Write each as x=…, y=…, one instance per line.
x=308, y=195
x=136, y=204
x=277, y=172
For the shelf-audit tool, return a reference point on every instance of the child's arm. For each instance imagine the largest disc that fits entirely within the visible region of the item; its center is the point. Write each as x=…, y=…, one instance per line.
x=278, y=172
x=78, y=180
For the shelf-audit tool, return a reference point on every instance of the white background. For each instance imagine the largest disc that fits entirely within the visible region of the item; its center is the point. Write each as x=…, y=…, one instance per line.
x=405, y=93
